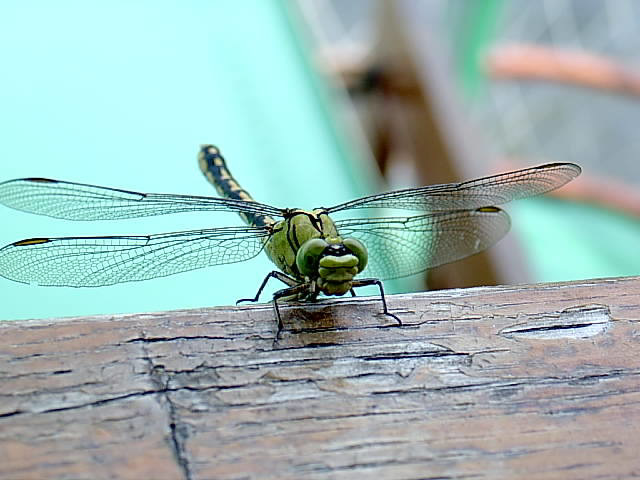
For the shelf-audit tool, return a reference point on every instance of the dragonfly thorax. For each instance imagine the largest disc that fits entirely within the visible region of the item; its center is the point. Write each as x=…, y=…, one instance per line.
x=307, y=246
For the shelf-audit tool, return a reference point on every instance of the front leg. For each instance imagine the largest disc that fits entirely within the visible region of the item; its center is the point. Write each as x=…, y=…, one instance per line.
x=374, y=281
x=286, y=279
x=286, y=292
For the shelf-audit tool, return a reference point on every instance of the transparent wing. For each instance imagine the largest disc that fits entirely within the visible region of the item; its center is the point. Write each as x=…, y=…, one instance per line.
x=483, y=192
x=77, y=201
x=401, y=246
x=98, y=261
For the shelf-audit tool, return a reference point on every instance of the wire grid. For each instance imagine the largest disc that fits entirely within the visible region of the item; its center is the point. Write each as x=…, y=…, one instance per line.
x=538, y=120
x=530, y=121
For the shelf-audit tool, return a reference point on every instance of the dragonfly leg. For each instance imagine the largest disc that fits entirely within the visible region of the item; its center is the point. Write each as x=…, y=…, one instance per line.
x=286, y=292
x=275, y=274
x=374, y=281
x=352, y=292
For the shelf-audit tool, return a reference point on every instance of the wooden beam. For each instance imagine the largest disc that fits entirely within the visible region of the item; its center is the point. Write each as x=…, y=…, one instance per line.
x=530, y=381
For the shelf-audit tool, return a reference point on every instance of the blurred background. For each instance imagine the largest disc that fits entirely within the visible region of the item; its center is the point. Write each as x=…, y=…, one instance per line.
x=315, y=102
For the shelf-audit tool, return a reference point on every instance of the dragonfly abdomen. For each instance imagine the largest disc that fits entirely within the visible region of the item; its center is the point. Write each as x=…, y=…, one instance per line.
x=215, y=169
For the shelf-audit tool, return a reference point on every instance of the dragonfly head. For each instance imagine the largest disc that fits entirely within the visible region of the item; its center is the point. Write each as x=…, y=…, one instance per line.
x=333, y=262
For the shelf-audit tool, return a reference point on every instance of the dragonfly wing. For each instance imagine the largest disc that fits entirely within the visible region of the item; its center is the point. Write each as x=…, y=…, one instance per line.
x=77, y=201
x=401, y=246
x=483, y=192
x=98, y=261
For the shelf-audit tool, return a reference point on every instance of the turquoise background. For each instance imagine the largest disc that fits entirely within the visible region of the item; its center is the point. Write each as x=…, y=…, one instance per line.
x=573, y=241
x=122, y=93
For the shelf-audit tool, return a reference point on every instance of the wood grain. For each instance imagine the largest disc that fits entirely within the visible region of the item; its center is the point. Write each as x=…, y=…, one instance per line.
x=539, y=381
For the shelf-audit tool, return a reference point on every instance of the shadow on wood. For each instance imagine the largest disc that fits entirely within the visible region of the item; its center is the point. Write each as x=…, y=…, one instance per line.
x=539, y=381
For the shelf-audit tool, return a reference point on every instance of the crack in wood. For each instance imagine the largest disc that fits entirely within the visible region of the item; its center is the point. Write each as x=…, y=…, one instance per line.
x=576, y=322
x=179, y=433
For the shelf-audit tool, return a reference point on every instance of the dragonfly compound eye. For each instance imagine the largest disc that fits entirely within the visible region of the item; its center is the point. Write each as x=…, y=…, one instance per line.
x=309, y=255
x=359, y=250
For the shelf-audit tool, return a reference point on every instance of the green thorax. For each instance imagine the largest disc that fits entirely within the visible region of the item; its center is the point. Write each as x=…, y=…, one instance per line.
x=307, y=246
x=294, y=231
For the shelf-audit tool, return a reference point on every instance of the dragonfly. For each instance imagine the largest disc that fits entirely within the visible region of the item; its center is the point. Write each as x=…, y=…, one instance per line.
x=315, y=252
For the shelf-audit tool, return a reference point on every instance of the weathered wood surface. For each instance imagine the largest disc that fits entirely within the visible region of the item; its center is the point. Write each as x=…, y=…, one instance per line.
x=530, y=382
